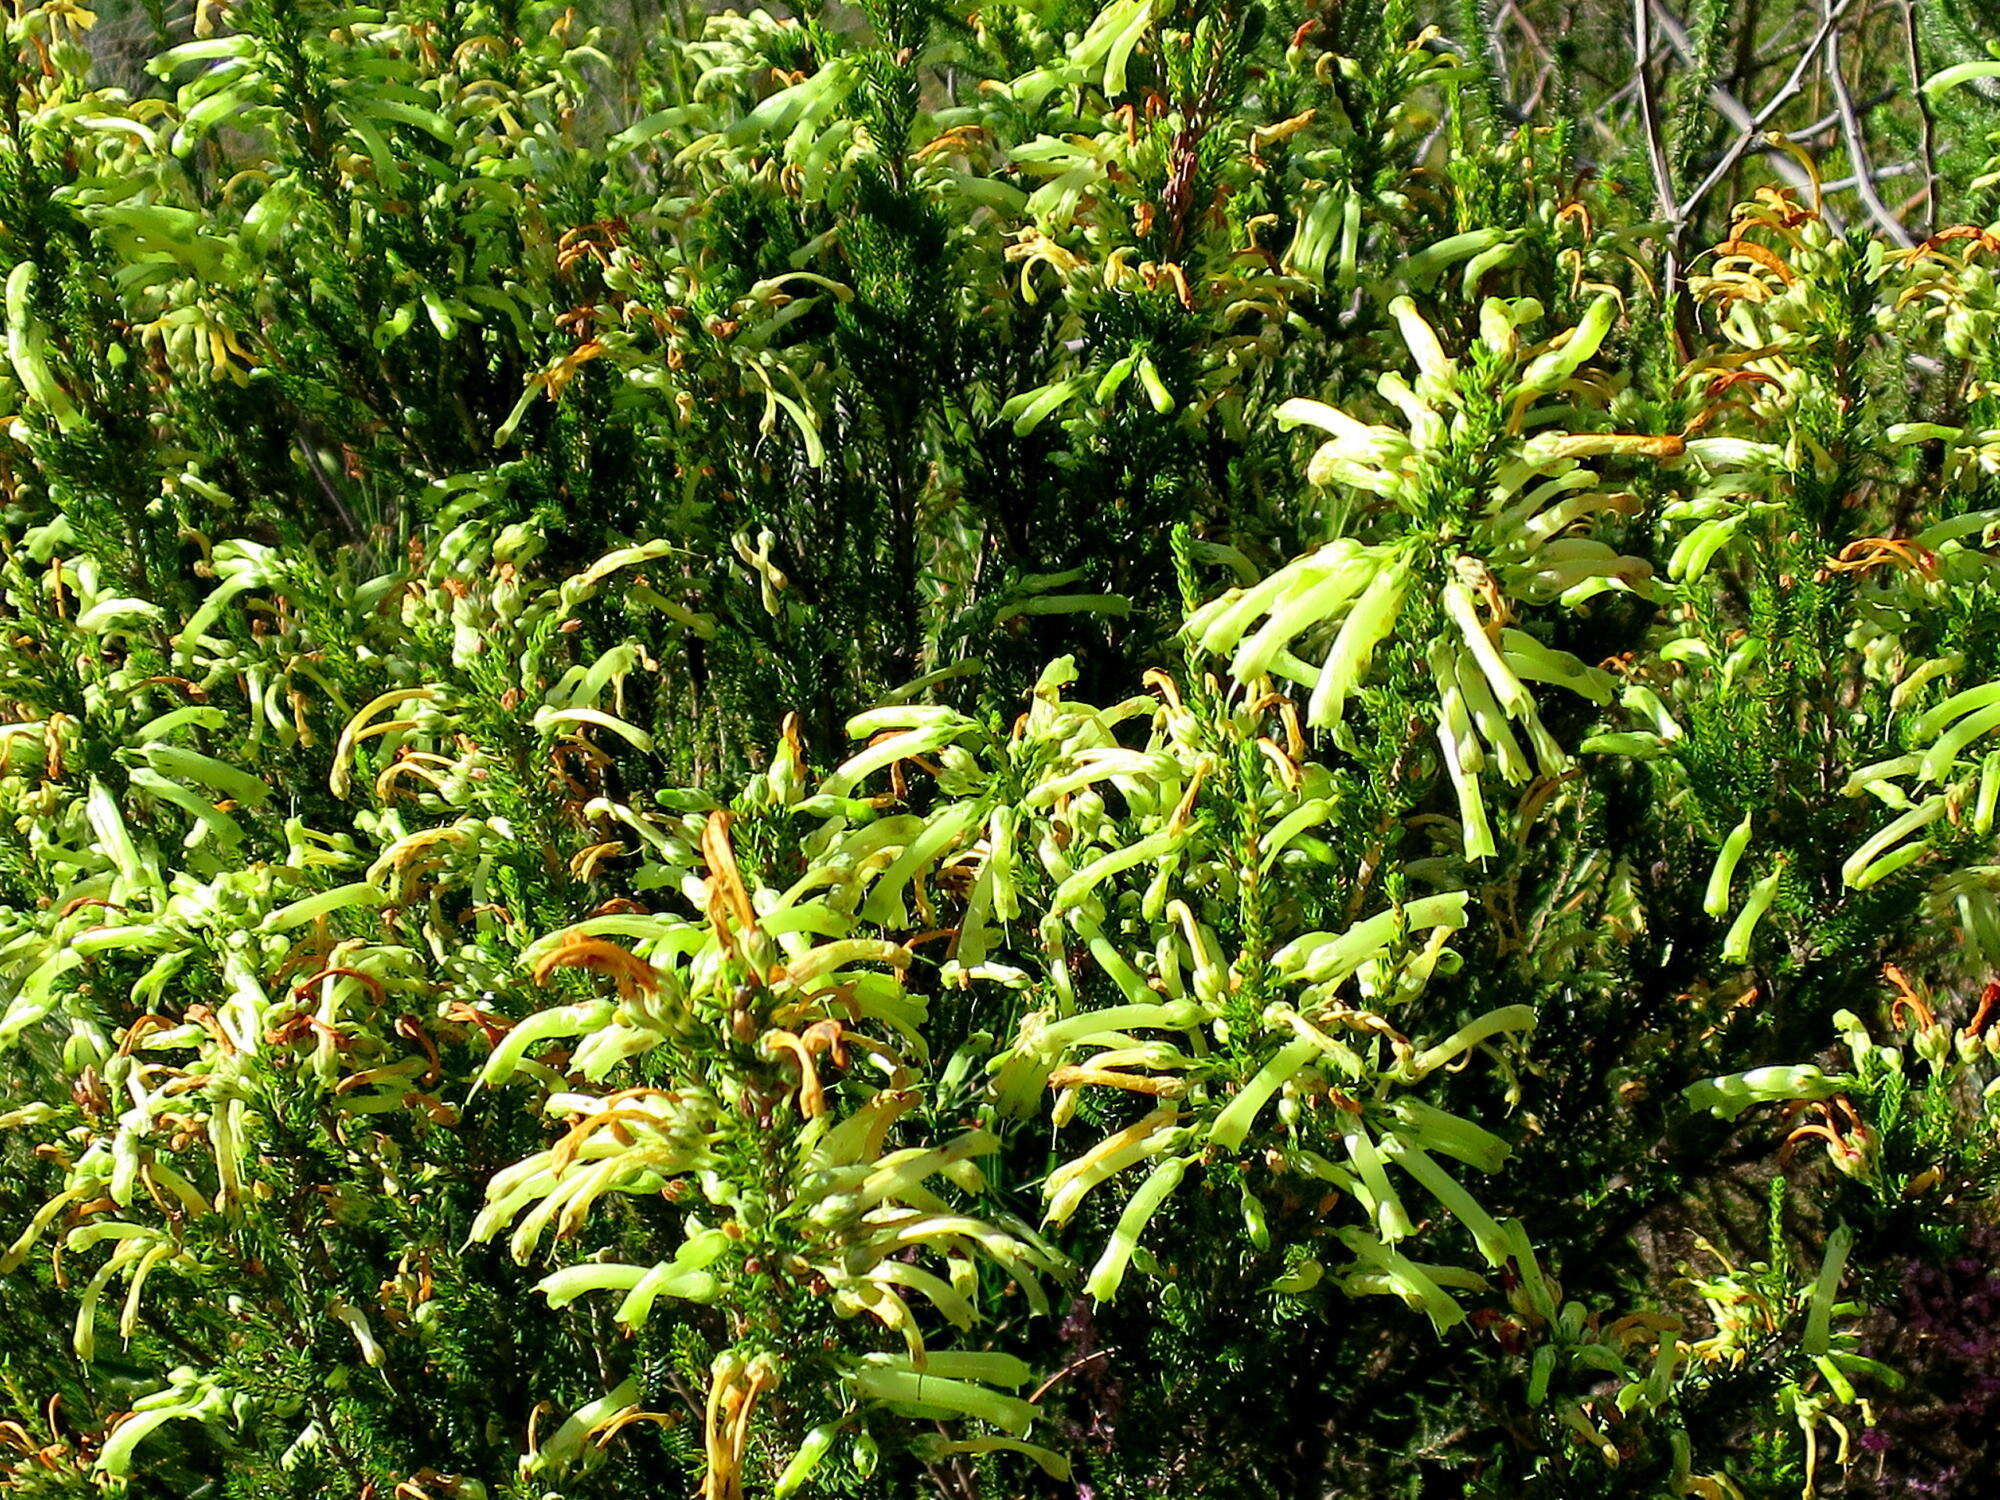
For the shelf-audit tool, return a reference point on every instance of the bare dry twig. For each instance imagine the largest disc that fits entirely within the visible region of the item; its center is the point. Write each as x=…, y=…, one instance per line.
x=1751, y=134
x=1857, y=150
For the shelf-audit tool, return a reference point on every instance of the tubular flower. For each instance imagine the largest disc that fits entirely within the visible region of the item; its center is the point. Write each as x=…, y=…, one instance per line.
x=1456, y=524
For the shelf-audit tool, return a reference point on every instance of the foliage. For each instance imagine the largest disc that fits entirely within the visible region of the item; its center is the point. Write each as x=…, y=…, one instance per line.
x=699, y=794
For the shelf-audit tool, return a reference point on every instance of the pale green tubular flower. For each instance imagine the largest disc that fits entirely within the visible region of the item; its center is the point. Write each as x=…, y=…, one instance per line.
x=1471, y=510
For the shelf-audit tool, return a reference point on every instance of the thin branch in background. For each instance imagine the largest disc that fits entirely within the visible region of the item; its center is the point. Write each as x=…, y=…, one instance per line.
x=1926, y=122
x=1820, y=126
x=1909, y=205
x=316, y=466
x=1656, y=156
x=1737, y=113
x=1753, y=133
x=1878, y=174
x=1656, y=146
x=1512, y=14
x=1857, y=150
x=1483, y=26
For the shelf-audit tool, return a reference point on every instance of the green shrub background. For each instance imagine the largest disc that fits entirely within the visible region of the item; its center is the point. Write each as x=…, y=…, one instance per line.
x=1192, y=749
